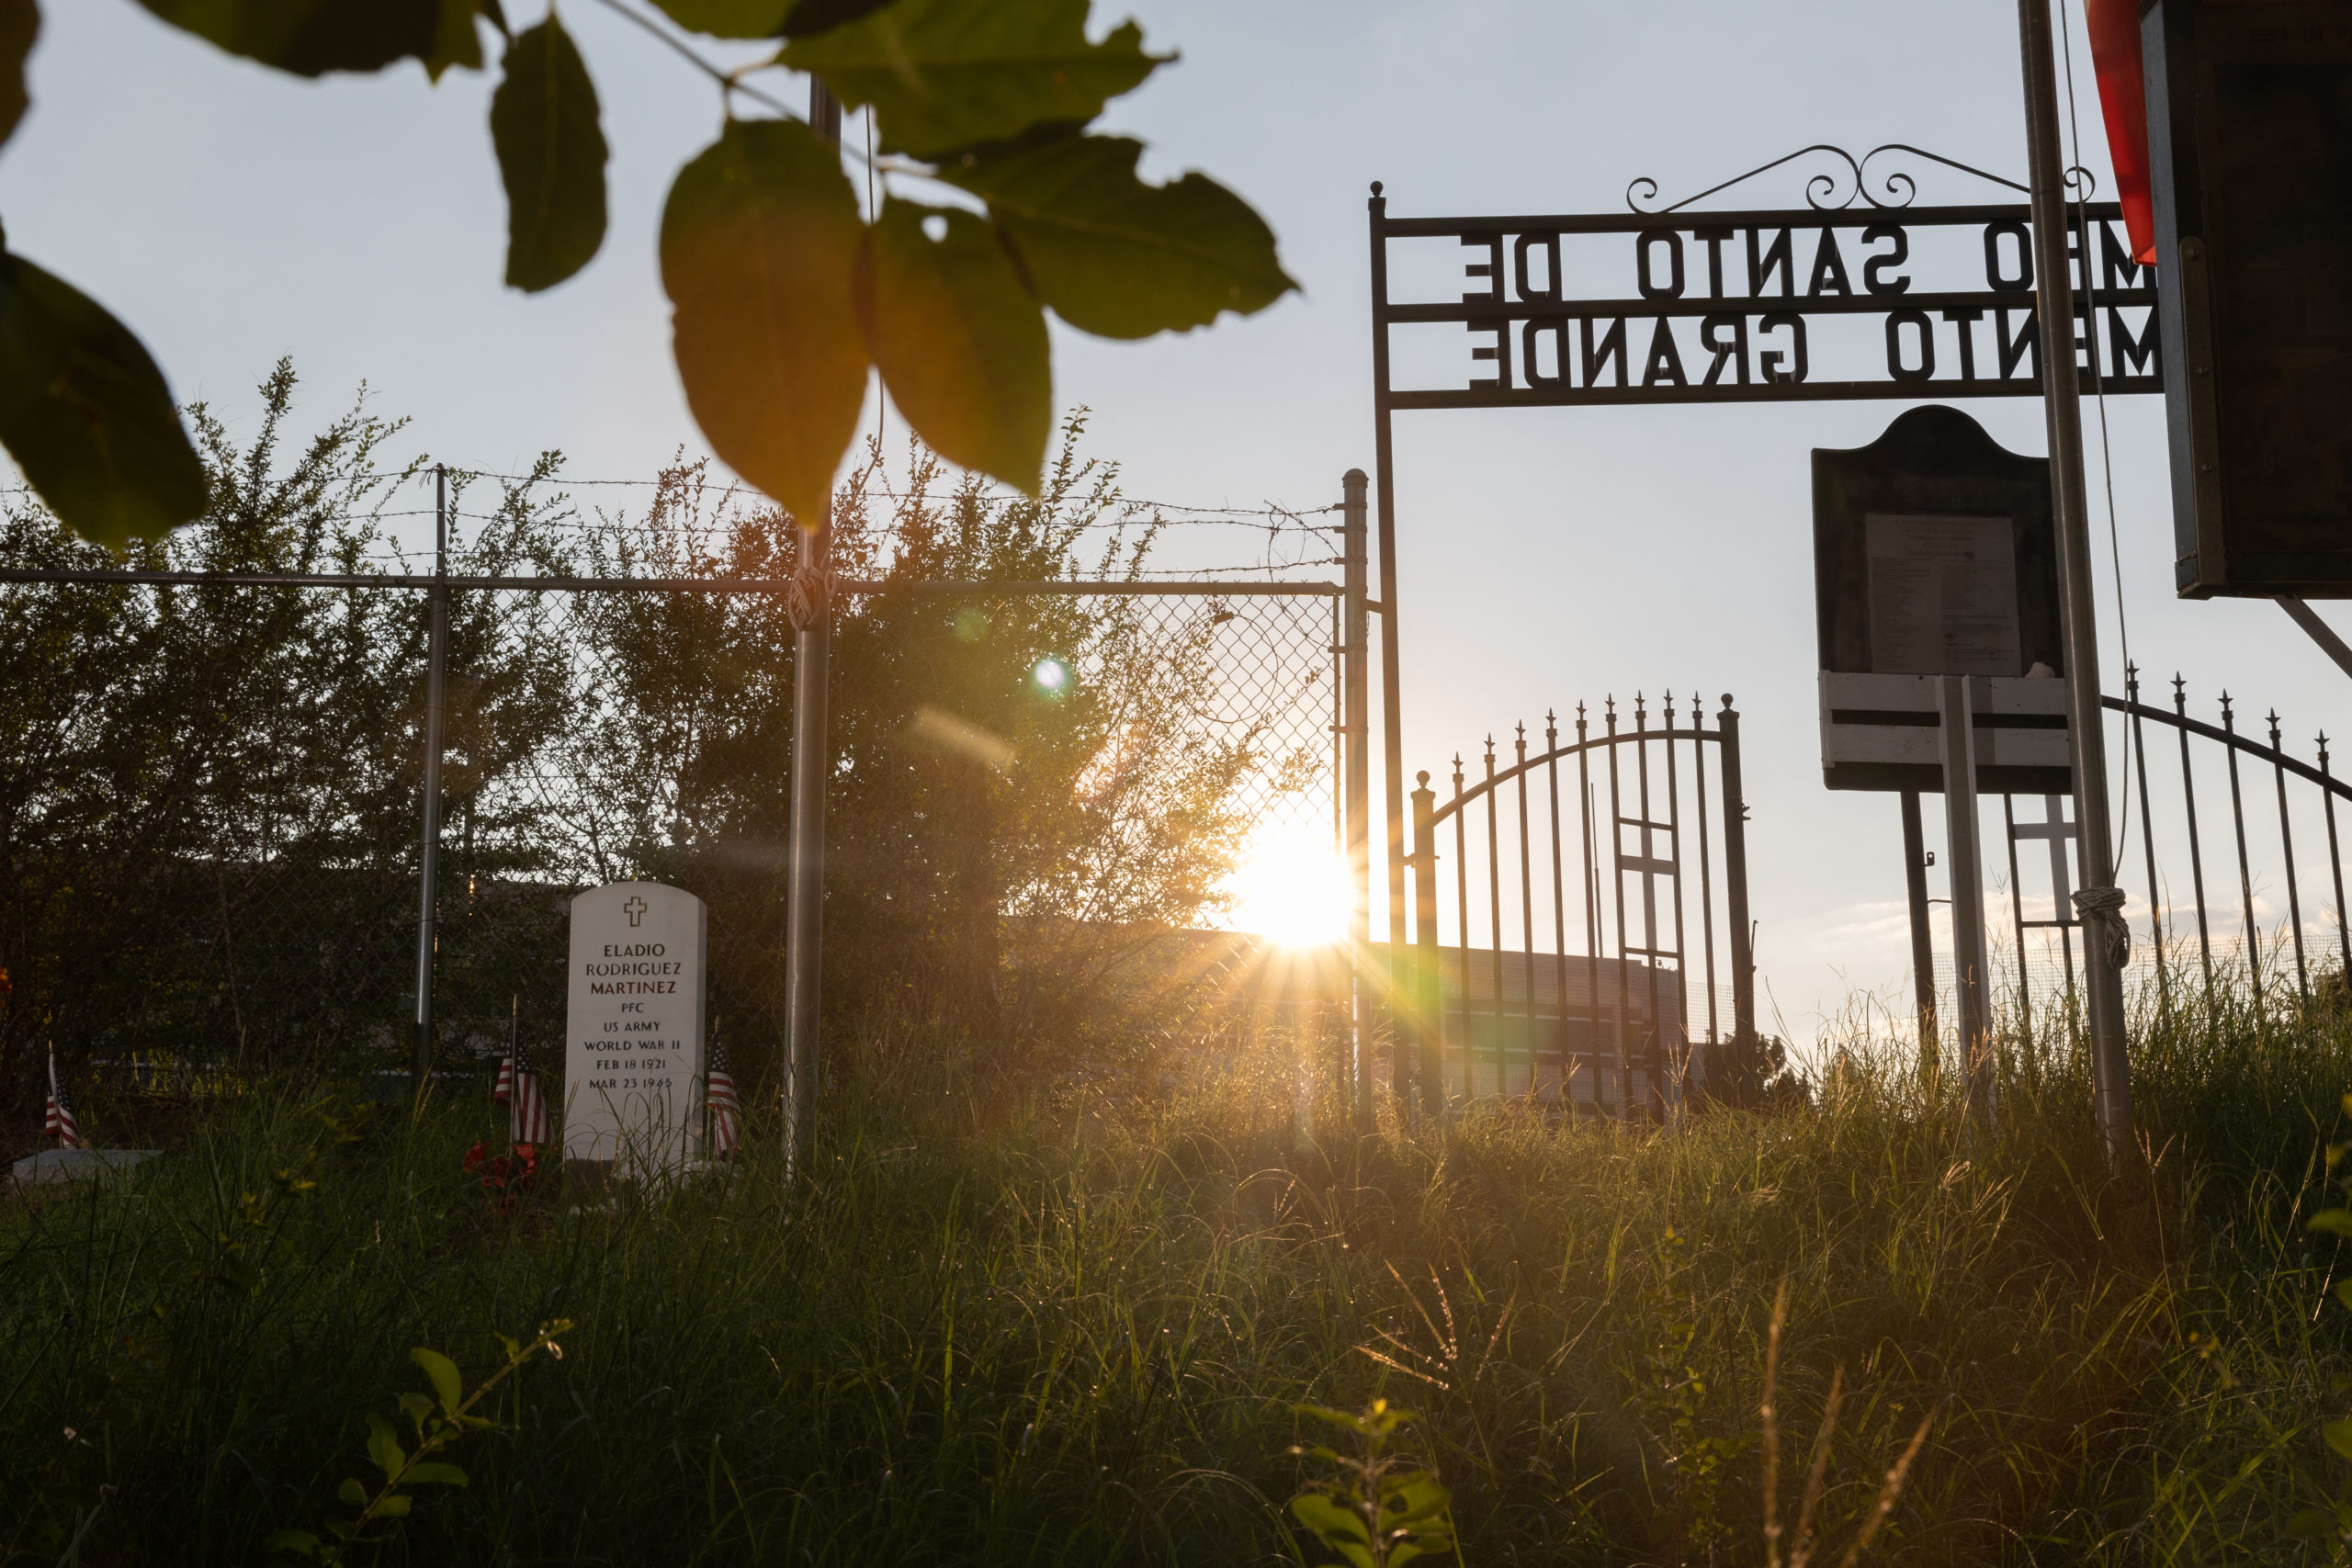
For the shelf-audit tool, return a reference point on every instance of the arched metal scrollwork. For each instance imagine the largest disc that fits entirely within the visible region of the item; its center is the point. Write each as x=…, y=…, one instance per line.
x=1838, y=189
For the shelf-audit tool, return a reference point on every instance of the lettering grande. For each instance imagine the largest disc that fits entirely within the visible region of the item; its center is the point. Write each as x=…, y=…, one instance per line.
x=1714, y=307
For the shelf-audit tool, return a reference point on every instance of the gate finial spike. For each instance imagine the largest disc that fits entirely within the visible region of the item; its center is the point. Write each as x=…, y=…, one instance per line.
x=2274, y=727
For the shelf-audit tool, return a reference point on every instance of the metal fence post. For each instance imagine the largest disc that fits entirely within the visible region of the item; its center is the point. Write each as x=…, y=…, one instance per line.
x=1923, y=945
x=804, y=936
x=1355, y=673
x=1427, y=1002
x=1743, y=945
x=437, y=675
x=2106, y=939
x=812, y=615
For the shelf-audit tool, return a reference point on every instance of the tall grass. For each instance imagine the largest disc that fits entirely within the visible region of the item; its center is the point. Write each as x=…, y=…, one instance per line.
x=997, y=1324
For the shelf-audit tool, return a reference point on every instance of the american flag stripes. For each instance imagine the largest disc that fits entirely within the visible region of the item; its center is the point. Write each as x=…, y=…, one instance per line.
x=527, y=1103
x=59, y=1123
x=726, y=1110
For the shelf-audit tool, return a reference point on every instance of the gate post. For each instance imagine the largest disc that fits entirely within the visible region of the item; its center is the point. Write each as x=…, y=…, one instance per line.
x=1355, y=679
x=1427, y=1003
x=1743, y=946
x=2107, y=941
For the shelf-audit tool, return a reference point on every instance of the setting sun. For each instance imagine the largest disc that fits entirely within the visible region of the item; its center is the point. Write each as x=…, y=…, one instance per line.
x=1291, y=889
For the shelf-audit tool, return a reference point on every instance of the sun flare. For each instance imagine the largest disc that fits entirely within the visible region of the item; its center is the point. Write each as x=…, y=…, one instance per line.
x=1291, y=888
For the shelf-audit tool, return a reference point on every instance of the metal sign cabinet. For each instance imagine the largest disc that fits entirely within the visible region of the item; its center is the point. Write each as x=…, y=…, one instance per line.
x=1935, y=555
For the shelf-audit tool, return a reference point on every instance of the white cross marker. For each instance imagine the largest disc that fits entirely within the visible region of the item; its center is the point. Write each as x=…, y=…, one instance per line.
x=2055, y=829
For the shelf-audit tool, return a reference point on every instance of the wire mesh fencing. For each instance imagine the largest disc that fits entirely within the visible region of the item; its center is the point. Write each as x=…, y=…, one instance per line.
x=210, y=819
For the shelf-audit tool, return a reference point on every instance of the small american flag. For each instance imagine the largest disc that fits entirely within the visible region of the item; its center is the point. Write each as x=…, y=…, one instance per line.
x=60, y=1122
x=527, y=1103
x=726, y=1110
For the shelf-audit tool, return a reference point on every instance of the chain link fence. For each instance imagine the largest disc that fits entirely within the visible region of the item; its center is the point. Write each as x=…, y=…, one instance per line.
x=210, y=816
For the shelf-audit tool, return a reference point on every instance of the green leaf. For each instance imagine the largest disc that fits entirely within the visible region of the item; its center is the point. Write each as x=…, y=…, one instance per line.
x=2339, y=1437
x=1115, y=256
x=811, y=17
x=2335, y=1222
x=394, y=1506
x=729, y=19
x=760, y=248
x=416, y=1408
x=948, y=74
x=352, y=1491
x=447, y=1386
x=299, y=1543
x=434, y=1474
x=1412, y=1501
x=459, y=39
x=90, y=419
x=20, y=25
x=311, y=37
x=384, y=1446
x=551, y=156
x=1334, y=1526
x=960, y=342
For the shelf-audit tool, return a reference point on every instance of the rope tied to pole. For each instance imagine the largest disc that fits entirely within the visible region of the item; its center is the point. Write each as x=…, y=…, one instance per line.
x=2101, y=908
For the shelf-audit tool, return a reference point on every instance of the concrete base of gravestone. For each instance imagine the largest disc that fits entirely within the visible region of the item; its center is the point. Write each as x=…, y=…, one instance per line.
x=589, y=1179
x=77, y=1164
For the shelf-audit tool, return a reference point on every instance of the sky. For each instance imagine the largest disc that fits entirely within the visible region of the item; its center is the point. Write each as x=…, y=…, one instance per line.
x=232, y=214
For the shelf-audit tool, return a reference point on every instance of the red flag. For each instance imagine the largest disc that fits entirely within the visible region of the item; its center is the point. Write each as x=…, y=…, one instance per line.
x=2123, y=99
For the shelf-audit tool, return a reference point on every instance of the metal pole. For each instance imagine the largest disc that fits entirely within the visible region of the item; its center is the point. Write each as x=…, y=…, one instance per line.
x=1743, y=933
x=804, y=936
x=2319, y=630
x=1355, y=682
x=436, y=677
x=1392, y=738
x=812, y=608
x=1428, y=1018
x=1923, y=945
x=2099, y=902
x=1956, y=739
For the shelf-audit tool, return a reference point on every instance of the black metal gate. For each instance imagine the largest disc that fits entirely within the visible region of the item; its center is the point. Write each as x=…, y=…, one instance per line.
x=1616, y=1028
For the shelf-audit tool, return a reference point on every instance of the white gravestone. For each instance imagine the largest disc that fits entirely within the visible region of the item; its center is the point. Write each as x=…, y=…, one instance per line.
x=632, y=1080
